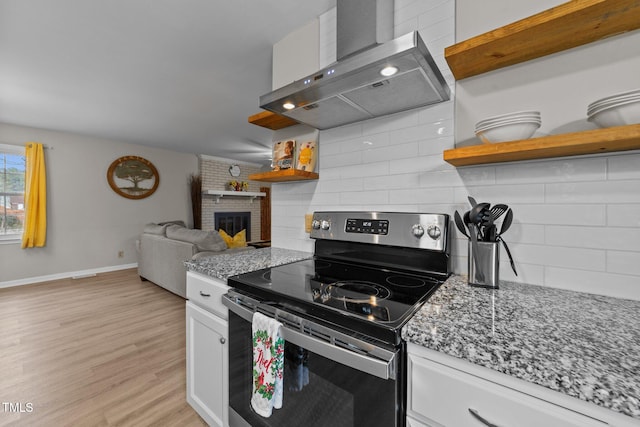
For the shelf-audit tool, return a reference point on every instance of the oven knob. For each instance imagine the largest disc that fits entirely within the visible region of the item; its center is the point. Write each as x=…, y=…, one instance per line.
x=315, y=224
x=325, y=224
x=417, y=230
x=434, y=231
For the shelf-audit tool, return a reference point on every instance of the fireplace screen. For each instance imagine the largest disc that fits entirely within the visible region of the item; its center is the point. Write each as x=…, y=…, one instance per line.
x=233, y=222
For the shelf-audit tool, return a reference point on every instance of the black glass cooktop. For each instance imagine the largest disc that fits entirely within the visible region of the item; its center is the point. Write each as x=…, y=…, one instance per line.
x=370, y=300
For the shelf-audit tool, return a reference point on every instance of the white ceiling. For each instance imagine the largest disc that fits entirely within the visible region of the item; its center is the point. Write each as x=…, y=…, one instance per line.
x=177, y=74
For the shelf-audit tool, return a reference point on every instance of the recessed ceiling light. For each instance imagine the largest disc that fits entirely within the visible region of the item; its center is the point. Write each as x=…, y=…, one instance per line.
x=288, y=106
x=389, y=71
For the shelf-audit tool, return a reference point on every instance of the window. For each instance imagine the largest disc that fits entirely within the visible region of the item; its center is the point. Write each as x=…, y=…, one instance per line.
x=12, y=166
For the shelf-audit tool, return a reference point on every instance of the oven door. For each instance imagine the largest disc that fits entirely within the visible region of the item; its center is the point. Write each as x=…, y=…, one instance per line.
x=349, y=384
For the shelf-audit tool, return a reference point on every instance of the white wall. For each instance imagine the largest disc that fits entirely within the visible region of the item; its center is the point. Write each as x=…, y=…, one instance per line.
x=577, y=220
x=88, y=223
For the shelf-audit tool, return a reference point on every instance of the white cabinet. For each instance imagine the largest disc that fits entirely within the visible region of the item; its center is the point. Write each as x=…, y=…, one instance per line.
x=441, y=395
x=207, y=350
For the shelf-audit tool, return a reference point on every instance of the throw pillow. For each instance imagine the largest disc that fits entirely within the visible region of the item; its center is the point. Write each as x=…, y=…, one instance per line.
x=237, y=241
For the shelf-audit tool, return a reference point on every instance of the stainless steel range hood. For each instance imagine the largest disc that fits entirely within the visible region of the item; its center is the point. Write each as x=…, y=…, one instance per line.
x=353, y=89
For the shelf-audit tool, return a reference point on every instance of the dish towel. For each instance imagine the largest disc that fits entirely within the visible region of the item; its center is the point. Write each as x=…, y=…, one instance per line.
x=268, y=364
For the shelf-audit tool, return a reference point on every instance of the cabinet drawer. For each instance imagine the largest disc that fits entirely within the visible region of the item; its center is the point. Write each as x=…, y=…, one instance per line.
x=207, y=292
x=443, y=396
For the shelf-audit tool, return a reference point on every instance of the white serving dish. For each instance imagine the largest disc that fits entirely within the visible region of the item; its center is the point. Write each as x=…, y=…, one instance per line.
x=507, y=122
x=508, y=132
x=621, y=114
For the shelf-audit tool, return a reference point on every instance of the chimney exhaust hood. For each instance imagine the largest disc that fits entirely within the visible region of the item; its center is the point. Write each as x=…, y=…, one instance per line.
x=356, y=88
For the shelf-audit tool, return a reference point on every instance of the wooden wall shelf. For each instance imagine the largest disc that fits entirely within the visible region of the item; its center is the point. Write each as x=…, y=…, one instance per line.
x=270, y=120
x=620, y=138
x=568, y=25
x=284, y=176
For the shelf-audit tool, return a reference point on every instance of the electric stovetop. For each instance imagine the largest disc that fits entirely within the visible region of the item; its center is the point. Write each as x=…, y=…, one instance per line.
x=371, y=300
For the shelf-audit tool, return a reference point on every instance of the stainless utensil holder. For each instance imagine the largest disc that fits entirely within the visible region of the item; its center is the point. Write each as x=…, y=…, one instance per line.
x=484, y=265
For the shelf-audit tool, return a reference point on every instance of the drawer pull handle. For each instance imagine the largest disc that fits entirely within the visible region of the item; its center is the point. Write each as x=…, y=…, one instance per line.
x=202, y=294
x=480, y=418
x=222, y=341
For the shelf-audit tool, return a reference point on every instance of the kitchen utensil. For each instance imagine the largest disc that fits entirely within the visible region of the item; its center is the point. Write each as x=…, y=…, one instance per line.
x=476, y=216
x=472, y=201
x=458, y=220
x=475, y=252
x=506, y=223
x=506, y=248
x=498, y=210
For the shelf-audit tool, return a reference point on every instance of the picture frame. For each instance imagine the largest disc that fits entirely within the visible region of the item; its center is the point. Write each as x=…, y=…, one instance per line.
x=133, y=177
x=284, y=153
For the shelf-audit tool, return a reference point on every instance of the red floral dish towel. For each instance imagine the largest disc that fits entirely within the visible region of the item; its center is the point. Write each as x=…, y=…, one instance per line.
x=268, y=365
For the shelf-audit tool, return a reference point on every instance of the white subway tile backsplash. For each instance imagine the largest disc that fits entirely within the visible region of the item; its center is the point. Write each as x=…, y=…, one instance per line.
x=376, y=198
x=395, y=152
x=623, y=262
x=392, y=182
x=443, y=178
x=560, y=214
x=435, y=146
x=624, y=166
x=509, y=194
x=594, y=192
x=341, y=159
x=610, y=284
x=421, y=195
x=557, y=256
x=391, y=122
x=567, y=170
x=338, y=185
x=371, y=169
x=416, y=165
x=623, y=215
x=624, y=239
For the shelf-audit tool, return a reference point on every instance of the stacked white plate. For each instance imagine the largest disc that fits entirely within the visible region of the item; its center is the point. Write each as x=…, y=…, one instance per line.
x=616, y=110
x=508, y=127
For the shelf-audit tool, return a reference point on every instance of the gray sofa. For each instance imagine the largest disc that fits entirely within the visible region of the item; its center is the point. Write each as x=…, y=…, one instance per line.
x=165, y=247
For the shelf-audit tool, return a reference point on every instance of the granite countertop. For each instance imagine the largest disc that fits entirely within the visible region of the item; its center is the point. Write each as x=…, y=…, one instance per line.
x=227, y=265
x=584, y=345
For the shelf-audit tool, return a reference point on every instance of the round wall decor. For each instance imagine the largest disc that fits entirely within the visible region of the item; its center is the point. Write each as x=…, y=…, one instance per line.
x=133, y=177
x=234, y=170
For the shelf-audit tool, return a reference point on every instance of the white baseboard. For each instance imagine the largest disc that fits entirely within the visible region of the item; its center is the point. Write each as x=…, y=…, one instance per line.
x=66, y=275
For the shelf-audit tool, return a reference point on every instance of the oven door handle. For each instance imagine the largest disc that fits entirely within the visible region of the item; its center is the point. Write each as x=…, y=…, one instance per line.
x=385, y=369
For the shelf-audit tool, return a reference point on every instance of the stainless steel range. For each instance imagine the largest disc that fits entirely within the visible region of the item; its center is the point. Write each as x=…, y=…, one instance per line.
x=342, y=313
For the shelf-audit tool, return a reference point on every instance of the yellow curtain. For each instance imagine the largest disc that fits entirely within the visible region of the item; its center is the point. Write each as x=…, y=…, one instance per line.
x=35, y=224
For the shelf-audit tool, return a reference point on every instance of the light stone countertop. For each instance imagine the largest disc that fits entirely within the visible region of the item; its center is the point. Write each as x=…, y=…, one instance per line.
x=224, y=266
x=584, y=345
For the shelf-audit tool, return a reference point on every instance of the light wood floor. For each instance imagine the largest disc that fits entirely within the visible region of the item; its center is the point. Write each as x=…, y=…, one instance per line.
x=101, y=351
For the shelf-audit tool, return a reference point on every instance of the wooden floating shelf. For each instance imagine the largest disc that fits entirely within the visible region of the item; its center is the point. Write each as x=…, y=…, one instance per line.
x=218, y=194
x=620, y=138
x=568, y=25
x=272, y=121
x=284, y=176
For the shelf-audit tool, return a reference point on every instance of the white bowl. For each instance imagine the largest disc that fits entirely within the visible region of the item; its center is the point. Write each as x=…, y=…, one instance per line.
x=512, y=115
x=602, y=106
x=508, y=132
x=625, y=113
x=507, y=122
x=631, y=93
x=494, y=122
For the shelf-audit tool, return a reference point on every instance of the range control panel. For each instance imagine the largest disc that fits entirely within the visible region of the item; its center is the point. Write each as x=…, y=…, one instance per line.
x=367, y=226
x=411, y=230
